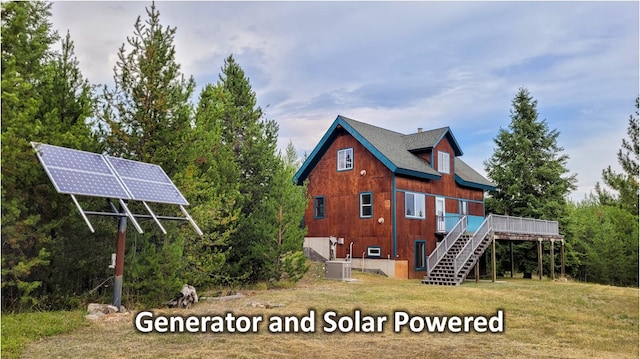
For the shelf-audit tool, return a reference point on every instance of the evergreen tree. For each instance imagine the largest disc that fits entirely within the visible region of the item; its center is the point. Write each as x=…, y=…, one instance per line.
x=289, y=201
x=626, y=184
x=279, y=221
x=605, y=238
x=44, y=99
x=529, y=171
x=211, y=181
x=147, y=117
x=252, y=139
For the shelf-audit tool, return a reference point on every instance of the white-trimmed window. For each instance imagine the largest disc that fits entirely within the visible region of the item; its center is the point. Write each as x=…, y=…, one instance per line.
x=414, y=205
x=366, y=205
x=444, y=162
x=345, y=159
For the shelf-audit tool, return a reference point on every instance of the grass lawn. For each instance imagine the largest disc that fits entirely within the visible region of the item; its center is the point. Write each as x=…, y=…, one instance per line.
x=541, y=319
x=20, y=329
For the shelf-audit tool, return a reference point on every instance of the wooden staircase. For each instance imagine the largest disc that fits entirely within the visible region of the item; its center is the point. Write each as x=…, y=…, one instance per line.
x=444, y=272
x=459, y=251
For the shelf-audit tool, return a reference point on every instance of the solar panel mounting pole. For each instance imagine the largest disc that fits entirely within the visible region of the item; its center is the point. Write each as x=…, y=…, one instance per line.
x=119, y=271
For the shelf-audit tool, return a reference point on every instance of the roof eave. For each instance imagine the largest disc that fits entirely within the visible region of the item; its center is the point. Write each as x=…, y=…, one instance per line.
x=417, y=174
x=481, y=186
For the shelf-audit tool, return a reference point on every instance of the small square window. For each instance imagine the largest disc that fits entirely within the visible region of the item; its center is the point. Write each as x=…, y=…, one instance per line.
x=366, y=205
x=318, y=207
x=443, y=162
x=345, y=159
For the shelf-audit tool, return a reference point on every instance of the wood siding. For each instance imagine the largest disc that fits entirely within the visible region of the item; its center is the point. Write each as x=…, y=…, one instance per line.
x=341, y=191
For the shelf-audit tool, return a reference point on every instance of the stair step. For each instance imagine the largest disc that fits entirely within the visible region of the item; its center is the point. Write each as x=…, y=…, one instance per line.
x=444, y=271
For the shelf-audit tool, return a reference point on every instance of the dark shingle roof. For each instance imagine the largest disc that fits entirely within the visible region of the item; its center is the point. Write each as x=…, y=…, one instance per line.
x=392, y=146
x=465, y=175
x=395, y=150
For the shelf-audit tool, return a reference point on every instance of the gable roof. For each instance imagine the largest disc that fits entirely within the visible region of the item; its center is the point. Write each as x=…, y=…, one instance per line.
x=467, y=176
x=395, y=151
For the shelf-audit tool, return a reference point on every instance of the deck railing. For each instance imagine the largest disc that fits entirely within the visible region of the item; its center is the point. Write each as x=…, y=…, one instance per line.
x=446, y=244
x=519, y=225
x=505, y=224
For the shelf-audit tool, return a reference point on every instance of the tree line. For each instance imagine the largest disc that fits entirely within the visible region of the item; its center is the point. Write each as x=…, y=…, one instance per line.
x=221, y=152
x=529, y=169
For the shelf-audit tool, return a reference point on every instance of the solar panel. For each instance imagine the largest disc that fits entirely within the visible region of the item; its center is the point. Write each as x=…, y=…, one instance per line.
x=79, y=172
x=146, y=182
x=83, y=173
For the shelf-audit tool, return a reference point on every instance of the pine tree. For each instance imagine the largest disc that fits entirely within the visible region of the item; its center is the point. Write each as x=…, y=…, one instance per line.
x=289, y=202
x=44, y=99
x=147, y=117
x=148, y=114
x=211, y=181
x=529, y=171
x=626, y=184
x=252, y=138
x=605, y=239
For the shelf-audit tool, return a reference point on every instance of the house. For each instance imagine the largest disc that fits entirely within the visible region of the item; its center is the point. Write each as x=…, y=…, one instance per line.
x=391, y=197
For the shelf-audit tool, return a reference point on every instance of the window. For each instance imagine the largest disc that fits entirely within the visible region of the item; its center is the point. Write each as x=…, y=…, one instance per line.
x=414, y=205
x=374, y=251
x=366, y=205
x=464, y=207
x=345, y=159
x=318, y=207
x=420, y=248
x=443, y=162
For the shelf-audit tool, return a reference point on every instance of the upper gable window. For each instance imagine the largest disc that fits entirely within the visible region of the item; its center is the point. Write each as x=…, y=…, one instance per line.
x=444, y=162
x=345, y=159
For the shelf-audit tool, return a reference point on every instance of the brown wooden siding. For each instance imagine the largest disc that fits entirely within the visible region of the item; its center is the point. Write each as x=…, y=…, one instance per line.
x=341, y=191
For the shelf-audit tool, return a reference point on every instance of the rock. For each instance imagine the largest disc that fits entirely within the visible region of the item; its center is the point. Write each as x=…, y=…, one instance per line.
x=185, y=299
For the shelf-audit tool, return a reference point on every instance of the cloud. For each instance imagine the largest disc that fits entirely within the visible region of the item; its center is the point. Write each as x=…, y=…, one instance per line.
x=402, y=65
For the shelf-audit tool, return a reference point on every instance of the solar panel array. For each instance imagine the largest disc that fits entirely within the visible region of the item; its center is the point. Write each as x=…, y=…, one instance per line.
x=91, y=174
x=146, y=182
x=79, y=172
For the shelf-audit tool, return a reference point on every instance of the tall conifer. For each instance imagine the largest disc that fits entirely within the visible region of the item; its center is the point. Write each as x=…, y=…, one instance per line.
x=44, y=99
x=529, y=170
x=147, y=116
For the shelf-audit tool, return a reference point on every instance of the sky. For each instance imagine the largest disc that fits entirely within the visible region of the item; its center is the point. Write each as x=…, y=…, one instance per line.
x=402, y=65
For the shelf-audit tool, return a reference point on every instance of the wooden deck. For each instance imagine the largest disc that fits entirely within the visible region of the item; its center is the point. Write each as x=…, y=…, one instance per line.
x=454, y=260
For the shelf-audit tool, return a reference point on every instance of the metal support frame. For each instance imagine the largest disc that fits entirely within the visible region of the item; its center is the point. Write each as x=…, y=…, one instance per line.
x=154, y=217
x=193, y=223
x=84, y=216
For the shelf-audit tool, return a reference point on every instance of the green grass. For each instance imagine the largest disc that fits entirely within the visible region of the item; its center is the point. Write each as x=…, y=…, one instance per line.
x=542, y=319
x=18, y=330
